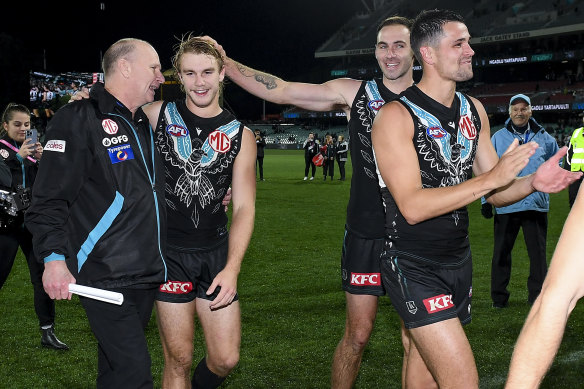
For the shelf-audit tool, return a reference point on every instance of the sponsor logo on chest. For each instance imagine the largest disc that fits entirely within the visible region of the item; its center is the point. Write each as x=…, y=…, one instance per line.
x=436, y=132
x=219, y=141
x=109, y=126
x=120, y=153
x=176, y=130
x=467, y=127
x=376, y=104
x=116, y=140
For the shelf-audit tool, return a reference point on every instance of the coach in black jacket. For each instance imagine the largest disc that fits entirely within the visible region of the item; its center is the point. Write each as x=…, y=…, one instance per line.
x=98, y=206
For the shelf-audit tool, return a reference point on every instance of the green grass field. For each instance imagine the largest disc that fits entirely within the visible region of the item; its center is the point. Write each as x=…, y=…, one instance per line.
x=292, y=303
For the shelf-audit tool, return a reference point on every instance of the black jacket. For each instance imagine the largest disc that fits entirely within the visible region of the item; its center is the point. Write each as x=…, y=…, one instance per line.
x=261, y=144
x=22, y=171
x=98, y=200
x=5, y=176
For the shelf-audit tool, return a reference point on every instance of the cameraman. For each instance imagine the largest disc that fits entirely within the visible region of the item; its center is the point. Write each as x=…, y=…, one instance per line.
x=22, y=156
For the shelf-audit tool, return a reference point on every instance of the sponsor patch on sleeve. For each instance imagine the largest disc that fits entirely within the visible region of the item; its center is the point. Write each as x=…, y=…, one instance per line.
x=120, y=153
x=55, y=145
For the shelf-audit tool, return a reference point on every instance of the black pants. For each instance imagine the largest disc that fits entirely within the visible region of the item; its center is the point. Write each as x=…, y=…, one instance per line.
x=44, y=306
x=260, y=165
x=328, y=168
x=534, y=225
x=342, y=169
x=123, y=360
x=308, y=163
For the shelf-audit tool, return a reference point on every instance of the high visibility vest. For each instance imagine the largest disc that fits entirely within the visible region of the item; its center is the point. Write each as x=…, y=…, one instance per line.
x=577, y=145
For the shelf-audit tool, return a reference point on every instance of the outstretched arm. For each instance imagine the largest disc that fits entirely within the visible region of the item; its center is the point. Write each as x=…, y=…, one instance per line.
x=544, y=327
x=334, y=94
x=243, y=196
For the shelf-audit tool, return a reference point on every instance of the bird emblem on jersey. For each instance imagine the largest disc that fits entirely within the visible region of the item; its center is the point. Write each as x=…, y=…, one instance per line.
x=194, y=161
x=444, y=153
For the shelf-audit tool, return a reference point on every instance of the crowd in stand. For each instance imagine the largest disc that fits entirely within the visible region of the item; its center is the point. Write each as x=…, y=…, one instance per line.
x=47, y=97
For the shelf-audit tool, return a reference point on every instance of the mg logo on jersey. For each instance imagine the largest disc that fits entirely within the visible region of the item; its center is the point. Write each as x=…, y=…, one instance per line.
x=109, y=126
x=436, y=132
x=376, y=104
x=176, y=287
x=438, y=303
x=365, y=279
x=467, y=127
x=176, y=130
x=219, y=141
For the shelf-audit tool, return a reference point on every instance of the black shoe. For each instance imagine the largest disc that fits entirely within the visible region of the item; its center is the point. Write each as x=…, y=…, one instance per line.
x=49, y=340
x=500, y=305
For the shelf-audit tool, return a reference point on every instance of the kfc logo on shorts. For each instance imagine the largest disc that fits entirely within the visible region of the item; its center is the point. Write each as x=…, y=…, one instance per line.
x=176, y=287
x=376, y=104
x=366, y=279
x=109, y=126
x=438, y=303
x=219, y=141
x=467, y=128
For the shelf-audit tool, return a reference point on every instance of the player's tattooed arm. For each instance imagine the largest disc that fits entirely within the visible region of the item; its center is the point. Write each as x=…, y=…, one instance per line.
x=267, y=80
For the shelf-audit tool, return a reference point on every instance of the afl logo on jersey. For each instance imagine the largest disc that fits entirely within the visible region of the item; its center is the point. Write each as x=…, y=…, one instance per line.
x=109, y=126
x=467, y=128
x=436, y=132
x=176, y=130
x=376, y=104
x=219, y=141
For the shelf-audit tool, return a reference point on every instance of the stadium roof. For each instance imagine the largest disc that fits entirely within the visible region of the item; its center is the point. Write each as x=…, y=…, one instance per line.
x=488, y=21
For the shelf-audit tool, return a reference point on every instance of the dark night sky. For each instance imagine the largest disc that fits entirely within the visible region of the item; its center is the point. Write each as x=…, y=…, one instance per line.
x=276, y=36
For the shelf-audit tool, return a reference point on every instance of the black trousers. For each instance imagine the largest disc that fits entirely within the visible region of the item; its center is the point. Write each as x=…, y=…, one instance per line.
x=308, y=163
x=260, y=165
x=534, y=225
x=342, y=169
x=44, y=306
x=328, y=167
x=123, y=360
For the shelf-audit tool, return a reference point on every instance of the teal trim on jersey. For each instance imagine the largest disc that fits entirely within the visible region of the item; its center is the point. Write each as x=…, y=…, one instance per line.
x=372, y=90
x=102, y=226
x=183, y=143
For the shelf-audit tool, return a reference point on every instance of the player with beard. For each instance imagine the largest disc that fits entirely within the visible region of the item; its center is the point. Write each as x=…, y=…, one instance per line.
x=427, y=145
x=205, y=150
x=364, y=229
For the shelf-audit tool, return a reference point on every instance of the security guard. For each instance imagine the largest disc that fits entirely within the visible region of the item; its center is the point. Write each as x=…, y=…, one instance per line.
x=575, y=160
